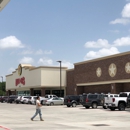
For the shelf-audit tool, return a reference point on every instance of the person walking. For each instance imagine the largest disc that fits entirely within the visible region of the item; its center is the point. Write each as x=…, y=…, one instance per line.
x=38, y=109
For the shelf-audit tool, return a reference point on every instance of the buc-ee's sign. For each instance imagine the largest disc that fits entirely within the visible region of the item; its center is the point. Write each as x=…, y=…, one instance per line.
x=20, y=81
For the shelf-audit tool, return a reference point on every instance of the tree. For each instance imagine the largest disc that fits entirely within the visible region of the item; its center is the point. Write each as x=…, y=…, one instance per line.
x=2, y=88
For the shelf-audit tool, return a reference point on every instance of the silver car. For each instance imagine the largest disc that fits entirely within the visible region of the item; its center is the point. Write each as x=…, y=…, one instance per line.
x=54, y=101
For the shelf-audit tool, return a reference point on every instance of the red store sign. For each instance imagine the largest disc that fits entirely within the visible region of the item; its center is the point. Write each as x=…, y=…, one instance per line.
x=20, y=81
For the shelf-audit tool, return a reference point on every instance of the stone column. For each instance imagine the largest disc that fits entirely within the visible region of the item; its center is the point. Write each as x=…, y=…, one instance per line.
x=9, y=93
x=42, y=91
x=31, y=92
x=15, y=92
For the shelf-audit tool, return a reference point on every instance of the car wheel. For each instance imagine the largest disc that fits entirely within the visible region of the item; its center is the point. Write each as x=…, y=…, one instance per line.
x=51, y=104
x=68, y=105
x=74, y=104
x=94, y=105
x=104, y=107
x=112, y=109
x=87, y=107
x=121, y=107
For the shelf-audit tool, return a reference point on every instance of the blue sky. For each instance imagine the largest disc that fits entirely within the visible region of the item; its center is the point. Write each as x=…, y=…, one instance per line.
x=44, y=31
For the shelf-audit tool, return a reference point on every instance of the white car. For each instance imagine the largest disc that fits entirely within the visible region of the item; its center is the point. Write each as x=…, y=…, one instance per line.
x=54, y=101
x=32, y=100
x=43, y=99
x=23, y=99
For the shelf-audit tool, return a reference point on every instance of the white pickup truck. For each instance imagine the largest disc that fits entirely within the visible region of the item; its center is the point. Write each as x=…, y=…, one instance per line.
x=117, y=102
x=108, y=95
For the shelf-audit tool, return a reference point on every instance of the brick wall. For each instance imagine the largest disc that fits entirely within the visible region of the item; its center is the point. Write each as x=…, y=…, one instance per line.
x=86, y=73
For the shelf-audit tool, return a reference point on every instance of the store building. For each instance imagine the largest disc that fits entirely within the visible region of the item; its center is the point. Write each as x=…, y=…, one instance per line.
x=109, y=74
x=3, y=3
x=30, y=80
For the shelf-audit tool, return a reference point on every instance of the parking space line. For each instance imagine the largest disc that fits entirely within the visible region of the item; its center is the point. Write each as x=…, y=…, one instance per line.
x=4, y=128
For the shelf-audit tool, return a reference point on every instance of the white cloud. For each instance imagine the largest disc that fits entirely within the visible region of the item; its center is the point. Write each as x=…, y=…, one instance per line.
x=126, y=11
x=45, y=61
x=67, y=64
x=27, y=60
x=97, y=44
x=120, y=21
x=39, y=52
x=101, y=53
x=125, y=16
x=10, y=42
x=124, y=41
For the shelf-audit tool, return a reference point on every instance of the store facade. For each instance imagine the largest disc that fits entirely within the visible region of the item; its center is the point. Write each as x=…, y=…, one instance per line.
x=109, y=74
x=30, y=80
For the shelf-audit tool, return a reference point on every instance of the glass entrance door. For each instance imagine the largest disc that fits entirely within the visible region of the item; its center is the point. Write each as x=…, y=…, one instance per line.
x=37, y=92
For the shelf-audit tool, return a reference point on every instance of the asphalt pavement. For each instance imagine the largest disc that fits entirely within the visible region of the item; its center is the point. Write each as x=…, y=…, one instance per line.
x=17, y=117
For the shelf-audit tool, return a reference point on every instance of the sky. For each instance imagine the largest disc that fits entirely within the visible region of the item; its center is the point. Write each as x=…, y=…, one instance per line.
x=44, y=31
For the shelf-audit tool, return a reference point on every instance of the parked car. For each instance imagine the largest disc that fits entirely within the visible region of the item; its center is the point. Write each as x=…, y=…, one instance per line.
x=72, y=100
x=3, y=99
x=12, y=98
x=54, y=101
x=128, y=101
x=117, y=102
x=92, y=100
x=108, y=95
x=24, y=99
x=17, y=100
x=43, y=99
x=32, y=100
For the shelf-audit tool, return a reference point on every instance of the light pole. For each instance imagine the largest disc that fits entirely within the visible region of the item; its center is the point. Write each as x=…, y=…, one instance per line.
x=60, y=77
x=2, y=84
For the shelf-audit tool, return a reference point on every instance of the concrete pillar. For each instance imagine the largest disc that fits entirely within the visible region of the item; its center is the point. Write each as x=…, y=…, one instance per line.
x=42, y=91
x=9, y=93
x=31, y=92
x=15, y=92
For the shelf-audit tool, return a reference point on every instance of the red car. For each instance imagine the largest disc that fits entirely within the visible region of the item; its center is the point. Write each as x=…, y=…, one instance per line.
x=3, y=98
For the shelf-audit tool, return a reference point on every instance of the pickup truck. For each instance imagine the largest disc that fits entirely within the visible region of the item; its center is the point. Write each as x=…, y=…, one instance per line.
x=108, y=95
x=45, y=98
x=117, y=102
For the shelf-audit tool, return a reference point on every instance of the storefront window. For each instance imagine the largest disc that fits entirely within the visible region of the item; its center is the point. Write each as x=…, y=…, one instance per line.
x=23, y=93
x=57, y=93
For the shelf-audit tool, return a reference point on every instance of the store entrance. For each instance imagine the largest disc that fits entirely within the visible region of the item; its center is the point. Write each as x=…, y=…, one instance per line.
x=47, y=92
x=37, y=92
x=57, y=93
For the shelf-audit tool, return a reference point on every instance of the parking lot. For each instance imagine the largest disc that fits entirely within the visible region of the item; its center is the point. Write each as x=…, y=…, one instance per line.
x=17, y=117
